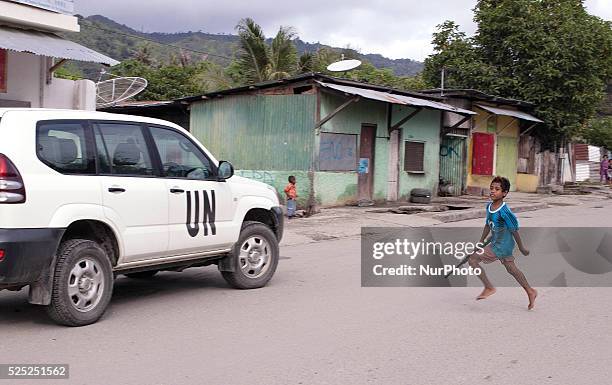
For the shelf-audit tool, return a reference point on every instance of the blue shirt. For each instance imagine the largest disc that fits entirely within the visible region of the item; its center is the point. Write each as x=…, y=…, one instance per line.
x=502, y=223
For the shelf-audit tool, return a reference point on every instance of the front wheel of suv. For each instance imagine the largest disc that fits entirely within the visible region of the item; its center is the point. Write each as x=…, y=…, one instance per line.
x=82, y=283
x=254, y=257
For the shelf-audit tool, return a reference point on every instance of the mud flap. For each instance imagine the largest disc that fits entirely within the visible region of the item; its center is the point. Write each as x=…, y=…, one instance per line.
x=228, y=263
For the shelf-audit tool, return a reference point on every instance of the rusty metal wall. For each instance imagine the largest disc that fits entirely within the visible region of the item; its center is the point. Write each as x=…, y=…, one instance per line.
x=452, y=162
x=257, y=132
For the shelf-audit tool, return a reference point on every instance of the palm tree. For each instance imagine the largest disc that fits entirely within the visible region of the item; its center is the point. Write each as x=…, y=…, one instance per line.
x=253, y=58
x=259, y=61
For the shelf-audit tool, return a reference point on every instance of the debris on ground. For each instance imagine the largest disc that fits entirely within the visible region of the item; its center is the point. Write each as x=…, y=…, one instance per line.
x=411, y=209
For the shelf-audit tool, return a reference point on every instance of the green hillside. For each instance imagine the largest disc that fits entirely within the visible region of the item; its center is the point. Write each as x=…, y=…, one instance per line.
x=117, y=41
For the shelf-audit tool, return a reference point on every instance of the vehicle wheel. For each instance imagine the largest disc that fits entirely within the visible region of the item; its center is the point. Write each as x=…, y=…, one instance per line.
x=142, y=274
x=255, y=257
x=420, y=192
x=420, y=199
x=82, y=284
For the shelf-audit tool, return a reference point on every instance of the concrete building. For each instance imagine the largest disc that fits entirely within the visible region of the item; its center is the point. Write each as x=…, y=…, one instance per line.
x=30, y=52
x=346, y=142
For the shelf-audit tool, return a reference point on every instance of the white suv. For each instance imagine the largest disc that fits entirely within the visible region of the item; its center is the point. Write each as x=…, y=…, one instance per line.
x=85, y=196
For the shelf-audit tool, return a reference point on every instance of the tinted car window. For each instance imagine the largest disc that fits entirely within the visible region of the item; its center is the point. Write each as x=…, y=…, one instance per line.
x=62, y=146
x=179, y=156
x=122, y=149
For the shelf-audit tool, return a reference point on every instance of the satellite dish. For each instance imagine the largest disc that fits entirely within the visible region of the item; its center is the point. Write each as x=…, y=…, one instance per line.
x=344, y=65
x=112, y=91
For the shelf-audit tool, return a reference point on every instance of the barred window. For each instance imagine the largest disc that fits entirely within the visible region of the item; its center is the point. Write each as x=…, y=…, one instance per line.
x=414, y=153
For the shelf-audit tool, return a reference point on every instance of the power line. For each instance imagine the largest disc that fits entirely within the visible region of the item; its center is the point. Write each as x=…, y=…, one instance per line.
x=157, y=42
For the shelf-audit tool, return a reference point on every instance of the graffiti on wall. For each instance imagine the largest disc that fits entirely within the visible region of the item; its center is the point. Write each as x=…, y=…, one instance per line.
x=449, y=150
x=338, y=152
x=258, y=175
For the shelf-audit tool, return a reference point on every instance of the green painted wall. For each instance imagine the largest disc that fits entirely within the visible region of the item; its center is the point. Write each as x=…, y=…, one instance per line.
x=257, y=132
x=507, y=159
x=349, y=122
x=278, y=180
x=335, y=188
x=425, y=127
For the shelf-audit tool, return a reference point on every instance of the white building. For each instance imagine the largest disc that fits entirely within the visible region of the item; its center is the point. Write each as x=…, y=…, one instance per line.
x=30, y=51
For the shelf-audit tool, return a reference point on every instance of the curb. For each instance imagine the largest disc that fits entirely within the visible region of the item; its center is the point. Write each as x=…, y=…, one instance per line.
x=481, y=213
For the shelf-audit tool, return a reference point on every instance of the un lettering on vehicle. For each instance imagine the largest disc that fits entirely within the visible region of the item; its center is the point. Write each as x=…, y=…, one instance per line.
x=208, y=212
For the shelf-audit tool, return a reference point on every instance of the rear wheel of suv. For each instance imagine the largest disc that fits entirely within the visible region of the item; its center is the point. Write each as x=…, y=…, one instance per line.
x=255, y=257
x=82, y=284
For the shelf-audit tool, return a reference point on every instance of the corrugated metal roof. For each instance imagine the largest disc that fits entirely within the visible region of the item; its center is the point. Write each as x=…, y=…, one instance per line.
x=396, y=99
x=471, y=94
x=513, y=113
x=48, y=44
x=143, y=103
x=311, y=76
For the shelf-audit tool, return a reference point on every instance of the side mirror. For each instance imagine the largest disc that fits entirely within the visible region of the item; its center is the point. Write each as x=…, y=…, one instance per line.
x=225, y=170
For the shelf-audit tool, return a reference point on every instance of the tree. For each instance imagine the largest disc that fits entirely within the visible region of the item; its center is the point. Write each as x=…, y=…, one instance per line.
x=258, y=61
x=548, y=52
x=143, y=55
x=166, y=82
x=599, y=132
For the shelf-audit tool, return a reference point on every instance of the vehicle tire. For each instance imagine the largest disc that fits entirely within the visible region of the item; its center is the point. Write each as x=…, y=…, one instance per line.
x=82, y=284
x=254, y=257
x=420, y=199
x=142, y=274
x=420, y=192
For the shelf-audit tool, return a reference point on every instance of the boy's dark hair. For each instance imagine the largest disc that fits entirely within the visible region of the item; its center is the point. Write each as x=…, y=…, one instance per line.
x=290, y=177
x=503, y=182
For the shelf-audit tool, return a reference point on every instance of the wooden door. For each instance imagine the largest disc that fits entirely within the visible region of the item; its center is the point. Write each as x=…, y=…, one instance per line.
x=365, y=166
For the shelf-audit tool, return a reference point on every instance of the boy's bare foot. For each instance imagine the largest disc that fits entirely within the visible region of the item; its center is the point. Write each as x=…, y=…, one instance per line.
x=486, y=292
x=532, y=296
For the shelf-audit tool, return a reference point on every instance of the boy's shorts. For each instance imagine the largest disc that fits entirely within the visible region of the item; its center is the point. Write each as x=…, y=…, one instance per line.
x=488, y=256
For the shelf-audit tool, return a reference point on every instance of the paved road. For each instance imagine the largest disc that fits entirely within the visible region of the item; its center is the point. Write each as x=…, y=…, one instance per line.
x=314, y=324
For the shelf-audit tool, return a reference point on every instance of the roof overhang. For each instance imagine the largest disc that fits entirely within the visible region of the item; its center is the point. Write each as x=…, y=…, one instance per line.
x=512, y=113
x=47, y=15
x=49, y=44
x=396, y=99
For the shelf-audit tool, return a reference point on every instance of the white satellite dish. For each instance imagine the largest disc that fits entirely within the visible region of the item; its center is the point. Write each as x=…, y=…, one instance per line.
x=112, y=91
x=344, y=65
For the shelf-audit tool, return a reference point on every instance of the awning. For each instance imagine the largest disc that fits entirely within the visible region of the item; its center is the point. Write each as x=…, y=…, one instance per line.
x=513, y=113
x=48, y=44
x=396, y=99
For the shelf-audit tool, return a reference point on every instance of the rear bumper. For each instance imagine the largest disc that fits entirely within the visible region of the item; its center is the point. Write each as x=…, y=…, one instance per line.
x=27, y=254
x=279, y=222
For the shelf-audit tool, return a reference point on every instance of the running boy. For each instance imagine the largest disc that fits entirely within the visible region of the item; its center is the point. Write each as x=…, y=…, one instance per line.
x=503, y=225
x=291, y=194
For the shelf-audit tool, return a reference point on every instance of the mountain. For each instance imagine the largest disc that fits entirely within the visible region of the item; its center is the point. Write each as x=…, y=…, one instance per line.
x=122, y=42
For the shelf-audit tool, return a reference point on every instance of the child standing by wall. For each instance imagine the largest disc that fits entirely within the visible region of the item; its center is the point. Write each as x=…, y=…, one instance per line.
x=503, y=225
x=291, y=194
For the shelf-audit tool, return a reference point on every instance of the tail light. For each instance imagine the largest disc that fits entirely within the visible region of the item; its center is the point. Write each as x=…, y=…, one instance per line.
x=12, y=189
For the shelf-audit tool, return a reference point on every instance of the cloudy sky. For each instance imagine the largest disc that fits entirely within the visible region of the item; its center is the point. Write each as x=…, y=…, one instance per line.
x=393, y=28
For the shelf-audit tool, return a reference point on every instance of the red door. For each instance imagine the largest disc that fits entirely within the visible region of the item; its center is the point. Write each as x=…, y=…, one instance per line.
x=482, y=153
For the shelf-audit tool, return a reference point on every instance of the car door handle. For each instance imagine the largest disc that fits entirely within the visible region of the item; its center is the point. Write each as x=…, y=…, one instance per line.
x=116, y=189
x=177, y=190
